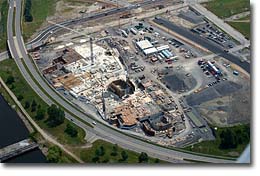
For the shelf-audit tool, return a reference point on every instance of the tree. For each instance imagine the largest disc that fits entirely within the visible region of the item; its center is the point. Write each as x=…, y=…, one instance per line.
x=156, y=160
x=102, y=150
x=10, y=80
x=27, y=105
x=95, y=159
x=114, y=150
x=106, y=160
x=124, y=155
x=40, y=114
x=71, y=130
x=33, y=106
x=98, y=152
x=27, y=11
x=232, y=137
x=143, y=158
x=228, y=139
x=20, y=97
x=54, y=154
x=56, y=116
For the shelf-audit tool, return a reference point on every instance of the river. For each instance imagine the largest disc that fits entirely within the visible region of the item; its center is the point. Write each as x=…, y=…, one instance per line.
x=12, y=130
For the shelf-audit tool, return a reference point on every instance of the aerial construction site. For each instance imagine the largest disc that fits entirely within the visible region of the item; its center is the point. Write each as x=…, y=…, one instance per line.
x=163, y=72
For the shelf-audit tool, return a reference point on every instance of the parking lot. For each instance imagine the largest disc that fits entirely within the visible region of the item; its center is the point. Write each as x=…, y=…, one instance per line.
x=212, y=33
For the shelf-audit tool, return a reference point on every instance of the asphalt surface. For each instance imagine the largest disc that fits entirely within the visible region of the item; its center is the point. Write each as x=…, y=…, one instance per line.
x=203, y=42
x=100, y=129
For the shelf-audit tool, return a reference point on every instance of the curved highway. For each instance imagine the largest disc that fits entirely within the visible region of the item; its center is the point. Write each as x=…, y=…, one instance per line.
x=100, y=129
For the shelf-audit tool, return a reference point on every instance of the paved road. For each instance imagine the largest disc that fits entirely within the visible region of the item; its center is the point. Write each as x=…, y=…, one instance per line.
x=100, y=129
x=203, y=42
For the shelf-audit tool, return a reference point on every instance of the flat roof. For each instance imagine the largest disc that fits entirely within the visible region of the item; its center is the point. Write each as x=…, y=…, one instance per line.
x=160, y=48
x=144, y=44
x=150, y=50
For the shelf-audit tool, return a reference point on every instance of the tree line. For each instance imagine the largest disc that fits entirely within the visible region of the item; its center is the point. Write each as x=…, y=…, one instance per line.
x=27, y=11
x=230, y=139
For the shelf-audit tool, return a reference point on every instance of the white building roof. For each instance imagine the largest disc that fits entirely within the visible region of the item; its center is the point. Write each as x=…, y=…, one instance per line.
x=150, y=51
x=144, y=44
x=164, y=47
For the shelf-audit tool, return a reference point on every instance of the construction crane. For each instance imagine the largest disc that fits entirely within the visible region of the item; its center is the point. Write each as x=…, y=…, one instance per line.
x=91, y=51
x=92, y=57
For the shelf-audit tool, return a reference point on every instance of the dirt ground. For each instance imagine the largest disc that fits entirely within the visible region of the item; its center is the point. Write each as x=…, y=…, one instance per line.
x=173, y=17
x=227, y=103
x=67, y=9
x=228, y=110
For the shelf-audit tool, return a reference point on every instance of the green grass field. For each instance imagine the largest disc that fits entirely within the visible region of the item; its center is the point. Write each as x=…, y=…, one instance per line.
x=87, y=155
x=212, y=147
x=243, y=27
x=40, y=11
x=3, y=24
x=227, y=8
x=21, y=88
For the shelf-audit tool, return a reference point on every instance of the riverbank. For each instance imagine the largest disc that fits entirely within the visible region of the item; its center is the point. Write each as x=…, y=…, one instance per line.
x=47, y=137
x=12, y=130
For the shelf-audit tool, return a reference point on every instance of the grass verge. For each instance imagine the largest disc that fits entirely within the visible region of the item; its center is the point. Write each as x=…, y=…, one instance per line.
x=213, y=147
x=243, y=27
x=227, y=8
x=89, y=155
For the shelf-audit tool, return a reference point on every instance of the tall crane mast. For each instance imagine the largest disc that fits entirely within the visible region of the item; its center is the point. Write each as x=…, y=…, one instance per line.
x=90, y=39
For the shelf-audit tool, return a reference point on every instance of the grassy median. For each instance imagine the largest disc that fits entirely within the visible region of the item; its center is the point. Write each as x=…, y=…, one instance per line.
x=3, y=24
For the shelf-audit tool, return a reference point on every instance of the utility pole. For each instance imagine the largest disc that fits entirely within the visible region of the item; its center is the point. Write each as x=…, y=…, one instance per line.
x=91, y=51
x=119, y=15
